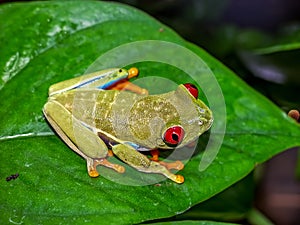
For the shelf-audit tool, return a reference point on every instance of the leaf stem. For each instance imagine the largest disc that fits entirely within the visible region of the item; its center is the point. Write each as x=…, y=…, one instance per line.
x=255, y=217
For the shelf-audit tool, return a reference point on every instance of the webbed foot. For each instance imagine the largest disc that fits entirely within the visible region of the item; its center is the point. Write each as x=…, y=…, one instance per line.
x=179, y=179
x=177, y=165
x=110, y=153
x=93, y=172
x=93, y=163
x=156, y=167
x=91, y=167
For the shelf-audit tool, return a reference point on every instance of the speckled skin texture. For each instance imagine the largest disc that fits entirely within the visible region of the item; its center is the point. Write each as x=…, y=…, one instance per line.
x=141, y=119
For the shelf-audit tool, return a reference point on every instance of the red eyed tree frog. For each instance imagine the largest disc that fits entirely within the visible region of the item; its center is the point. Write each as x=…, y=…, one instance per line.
x=102, y=113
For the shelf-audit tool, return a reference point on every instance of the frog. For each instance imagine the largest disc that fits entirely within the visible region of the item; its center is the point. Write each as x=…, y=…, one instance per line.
x=102, y=114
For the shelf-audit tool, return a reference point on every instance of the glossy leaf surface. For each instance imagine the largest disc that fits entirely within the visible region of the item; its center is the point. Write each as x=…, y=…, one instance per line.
x=45, y=42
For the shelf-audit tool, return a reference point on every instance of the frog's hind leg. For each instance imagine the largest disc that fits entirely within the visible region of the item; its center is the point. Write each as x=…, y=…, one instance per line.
x=177, y=165
x=88, y=144
x=142, y=163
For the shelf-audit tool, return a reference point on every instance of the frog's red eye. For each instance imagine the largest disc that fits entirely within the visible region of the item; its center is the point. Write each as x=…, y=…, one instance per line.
x=173, y=135
x=192, y=89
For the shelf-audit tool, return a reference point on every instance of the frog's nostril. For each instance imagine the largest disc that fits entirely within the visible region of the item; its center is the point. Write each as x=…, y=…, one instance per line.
x=173, y=136
x=192, y=89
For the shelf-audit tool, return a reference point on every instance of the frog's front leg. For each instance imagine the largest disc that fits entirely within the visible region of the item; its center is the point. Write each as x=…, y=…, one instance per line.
x=142, y=163
x=126, y=85
x=103, y=80
x=79, y=138
x=177, y=165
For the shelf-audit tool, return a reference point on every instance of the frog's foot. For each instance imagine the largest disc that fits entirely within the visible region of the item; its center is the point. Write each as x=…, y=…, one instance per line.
x=157, y=167
x=177, y=165
x=110, y=153
x=179, y=179
x=93, y=163
x=91, y=167
x=155, y=155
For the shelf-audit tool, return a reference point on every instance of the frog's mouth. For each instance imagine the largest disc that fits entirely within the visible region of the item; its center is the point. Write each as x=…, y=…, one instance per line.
x=204, y=113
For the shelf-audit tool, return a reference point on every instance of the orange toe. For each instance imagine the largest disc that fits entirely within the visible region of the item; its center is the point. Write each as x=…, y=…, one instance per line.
x=179, y=179
x=93, y=173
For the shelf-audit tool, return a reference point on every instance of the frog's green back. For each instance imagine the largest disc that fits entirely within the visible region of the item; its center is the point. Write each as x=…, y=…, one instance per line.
x=140, y=119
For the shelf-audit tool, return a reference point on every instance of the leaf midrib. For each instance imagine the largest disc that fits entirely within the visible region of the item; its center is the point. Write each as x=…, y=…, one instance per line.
x=228, y=134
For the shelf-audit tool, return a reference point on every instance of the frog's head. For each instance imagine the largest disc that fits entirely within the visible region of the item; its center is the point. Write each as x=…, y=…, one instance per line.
x=165, y=121
x=194, y=118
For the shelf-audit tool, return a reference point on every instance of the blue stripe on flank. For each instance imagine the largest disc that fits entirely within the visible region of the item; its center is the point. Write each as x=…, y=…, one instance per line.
x=88, y=82
x=106, y=85
x=136, y=146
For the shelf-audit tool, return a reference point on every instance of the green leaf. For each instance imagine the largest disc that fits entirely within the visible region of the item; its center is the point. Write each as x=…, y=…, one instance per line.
x=45, y=42
x=256, y=217
x=238, y=198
